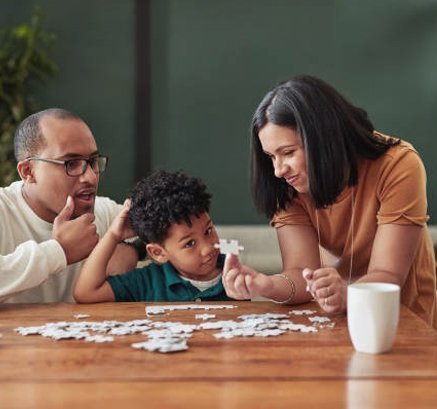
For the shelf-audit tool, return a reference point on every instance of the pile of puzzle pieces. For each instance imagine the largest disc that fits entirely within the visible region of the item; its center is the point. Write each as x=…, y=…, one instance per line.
x=169, y=336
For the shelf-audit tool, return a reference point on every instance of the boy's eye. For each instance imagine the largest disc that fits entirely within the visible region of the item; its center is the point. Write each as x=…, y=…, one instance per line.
x=190, y=244
x=208, y=231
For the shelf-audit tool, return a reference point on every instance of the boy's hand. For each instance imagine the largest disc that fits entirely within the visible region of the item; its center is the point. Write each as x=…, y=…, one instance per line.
x=241, y=282
x=121, y=228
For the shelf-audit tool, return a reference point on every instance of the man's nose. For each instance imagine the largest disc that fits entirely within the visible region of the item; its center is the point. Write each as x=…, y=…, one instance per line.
x=90, y=175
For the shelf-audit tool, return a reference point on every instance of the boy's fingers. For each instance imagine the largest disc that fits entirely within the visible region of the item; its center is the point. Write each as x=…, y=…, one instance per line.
x=231, y=261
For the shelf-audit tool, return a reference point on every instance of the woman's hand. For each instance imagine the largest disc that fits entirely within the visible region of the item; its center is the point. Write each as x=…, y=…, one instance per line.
x=243, y=283
x=328, y=288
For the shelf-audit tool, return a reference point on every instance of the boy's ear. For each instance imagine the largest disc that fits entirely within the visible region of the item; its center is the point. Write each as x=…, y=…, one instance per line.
x=157, y=252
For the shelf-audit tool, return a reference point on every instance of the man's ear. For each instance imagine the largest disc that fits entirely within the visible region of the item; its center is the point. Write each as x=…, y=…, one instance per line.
x=157, y=252
x=25, y=170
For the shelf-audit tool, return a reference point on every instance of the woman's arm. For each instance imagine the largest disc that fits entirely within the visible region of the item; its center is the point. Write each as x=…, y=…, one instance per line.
x=299, y=249
x=393, y=252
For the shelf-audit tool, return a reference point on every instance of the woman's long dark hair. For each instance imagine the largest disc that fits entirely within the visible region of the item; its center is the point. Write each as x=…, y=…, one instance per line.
x=334, y=135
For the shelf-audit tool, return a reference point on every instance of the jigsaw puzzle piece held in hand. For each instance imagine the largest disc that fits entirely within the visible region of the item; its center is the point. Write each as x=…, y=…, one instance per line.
x=229, y=246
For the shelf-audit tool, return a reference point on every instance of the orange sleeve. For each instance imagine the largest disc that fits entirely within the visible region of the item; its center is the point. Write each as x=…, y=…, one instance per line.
x=402, y=190
x=295, y=213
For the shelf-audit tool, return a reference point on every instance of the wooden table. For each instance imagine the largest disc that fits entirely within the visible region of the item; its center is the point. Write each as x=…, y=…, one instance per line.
x=295, y=370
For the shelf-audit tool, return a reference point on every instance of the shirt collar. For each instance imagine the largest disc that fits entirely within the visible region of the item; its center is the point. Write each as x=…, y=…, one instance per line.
x=172, y=277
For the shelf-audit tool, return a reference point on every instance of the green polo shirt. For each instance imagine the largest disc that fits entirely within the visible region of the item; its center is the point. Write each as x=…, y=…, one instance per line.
x=156, y=282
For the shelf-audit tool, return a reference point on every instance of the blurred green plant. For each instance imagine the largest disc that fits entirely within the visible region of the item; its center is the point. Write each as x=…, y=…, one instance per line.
x=25, y=63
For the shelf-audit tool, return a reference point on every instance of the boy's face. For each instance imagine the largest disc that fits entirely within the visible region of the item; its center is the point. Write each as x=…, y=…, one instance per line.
x=191, y=249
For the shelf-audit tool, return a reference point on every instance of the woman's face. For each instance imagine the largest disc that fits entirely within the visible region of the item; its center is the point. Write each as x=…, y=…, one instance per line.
x=284, y=147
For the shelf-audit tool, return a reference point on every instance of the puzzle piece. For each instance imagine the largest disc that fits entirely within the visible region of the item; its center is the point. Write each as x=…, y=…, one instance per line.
x=161, y=309
x=319, y=319
x=231, y=246
x=302, y=312
x=204, y=316
x=99, y=338
x=81, y=316
x=163, y=346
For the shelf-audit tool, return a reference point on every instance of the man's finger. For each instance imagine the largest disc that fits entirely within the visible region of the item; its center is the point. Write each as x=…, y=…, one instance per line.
x=67, y=210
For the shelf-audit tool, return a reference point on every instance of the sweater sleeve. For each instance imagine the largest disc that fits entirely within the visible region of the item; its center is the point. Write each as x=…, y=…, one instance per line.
x=29, y=265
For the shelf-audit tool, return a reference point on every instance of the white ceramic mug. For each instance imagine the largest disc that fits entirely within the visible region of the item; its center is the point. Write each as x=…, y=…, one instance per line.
x=373, y=315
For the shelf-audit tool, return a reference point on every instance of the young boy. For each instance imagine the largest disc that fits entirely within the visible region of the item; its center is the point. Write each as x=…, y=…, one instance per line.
x=169, y=212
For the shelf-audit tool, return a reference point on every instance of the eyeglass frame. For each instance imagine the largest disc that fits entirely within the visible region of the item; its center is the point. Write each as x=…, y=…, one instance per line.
x=87, y=163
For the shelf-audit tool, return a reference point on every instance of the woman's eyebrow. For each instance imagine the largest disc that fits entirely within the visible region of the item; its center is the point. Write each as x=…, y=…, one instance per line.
x=280, y=148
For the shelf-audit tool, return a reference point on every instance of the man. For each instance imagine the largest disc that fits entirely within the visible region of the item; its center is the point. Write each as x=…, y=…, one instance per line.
x=51, y=220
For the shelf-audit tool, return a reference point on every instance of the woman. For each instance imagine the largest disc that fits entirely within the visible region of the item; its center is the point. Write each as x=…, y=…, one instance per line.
x=348, y=203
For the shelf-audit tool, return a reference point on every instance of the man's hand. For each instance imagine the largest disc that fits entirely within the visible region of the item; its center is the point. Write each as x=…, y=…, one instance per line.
x=77, y=237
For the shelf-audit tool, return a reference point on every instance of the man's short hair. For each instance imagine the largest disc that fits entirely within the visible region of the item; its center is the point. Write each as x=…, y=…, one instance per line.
x=28, y=139
x=164, y=198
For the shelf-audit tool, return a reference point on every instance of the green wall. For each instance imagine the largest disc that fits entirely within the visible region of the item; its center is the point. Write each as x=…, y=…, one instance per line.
x=94, y=51
x=212, y=62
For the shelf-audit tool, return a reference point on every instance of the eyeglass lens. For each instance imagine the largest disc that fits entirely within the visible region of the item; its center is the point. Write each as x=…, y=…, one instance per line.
x=77, y=167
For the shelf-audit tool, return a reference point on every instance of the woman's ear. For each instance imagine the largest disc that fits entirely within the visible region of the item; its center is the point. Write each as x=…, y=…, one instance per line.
x=157, y=253
x=25, y=170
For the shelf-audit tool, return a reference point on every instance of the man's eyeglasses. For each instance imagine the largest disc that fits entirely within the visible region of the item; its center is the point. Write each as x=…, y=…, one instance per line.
x=77, y=167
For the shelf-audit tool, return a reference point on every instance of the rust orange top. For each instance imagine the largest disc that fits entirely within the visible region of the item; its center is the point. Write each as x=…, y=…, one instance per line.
x=390, y=189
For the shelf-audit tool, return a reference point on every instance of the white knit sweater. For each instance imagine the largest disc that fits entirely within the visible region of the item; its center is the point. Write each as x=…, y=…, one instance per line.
x=32, y=265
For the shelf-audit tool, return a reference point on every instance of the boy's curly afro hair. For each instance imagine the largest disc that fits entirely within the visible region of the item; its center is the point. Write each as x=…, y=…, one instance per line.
x=164, y=198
